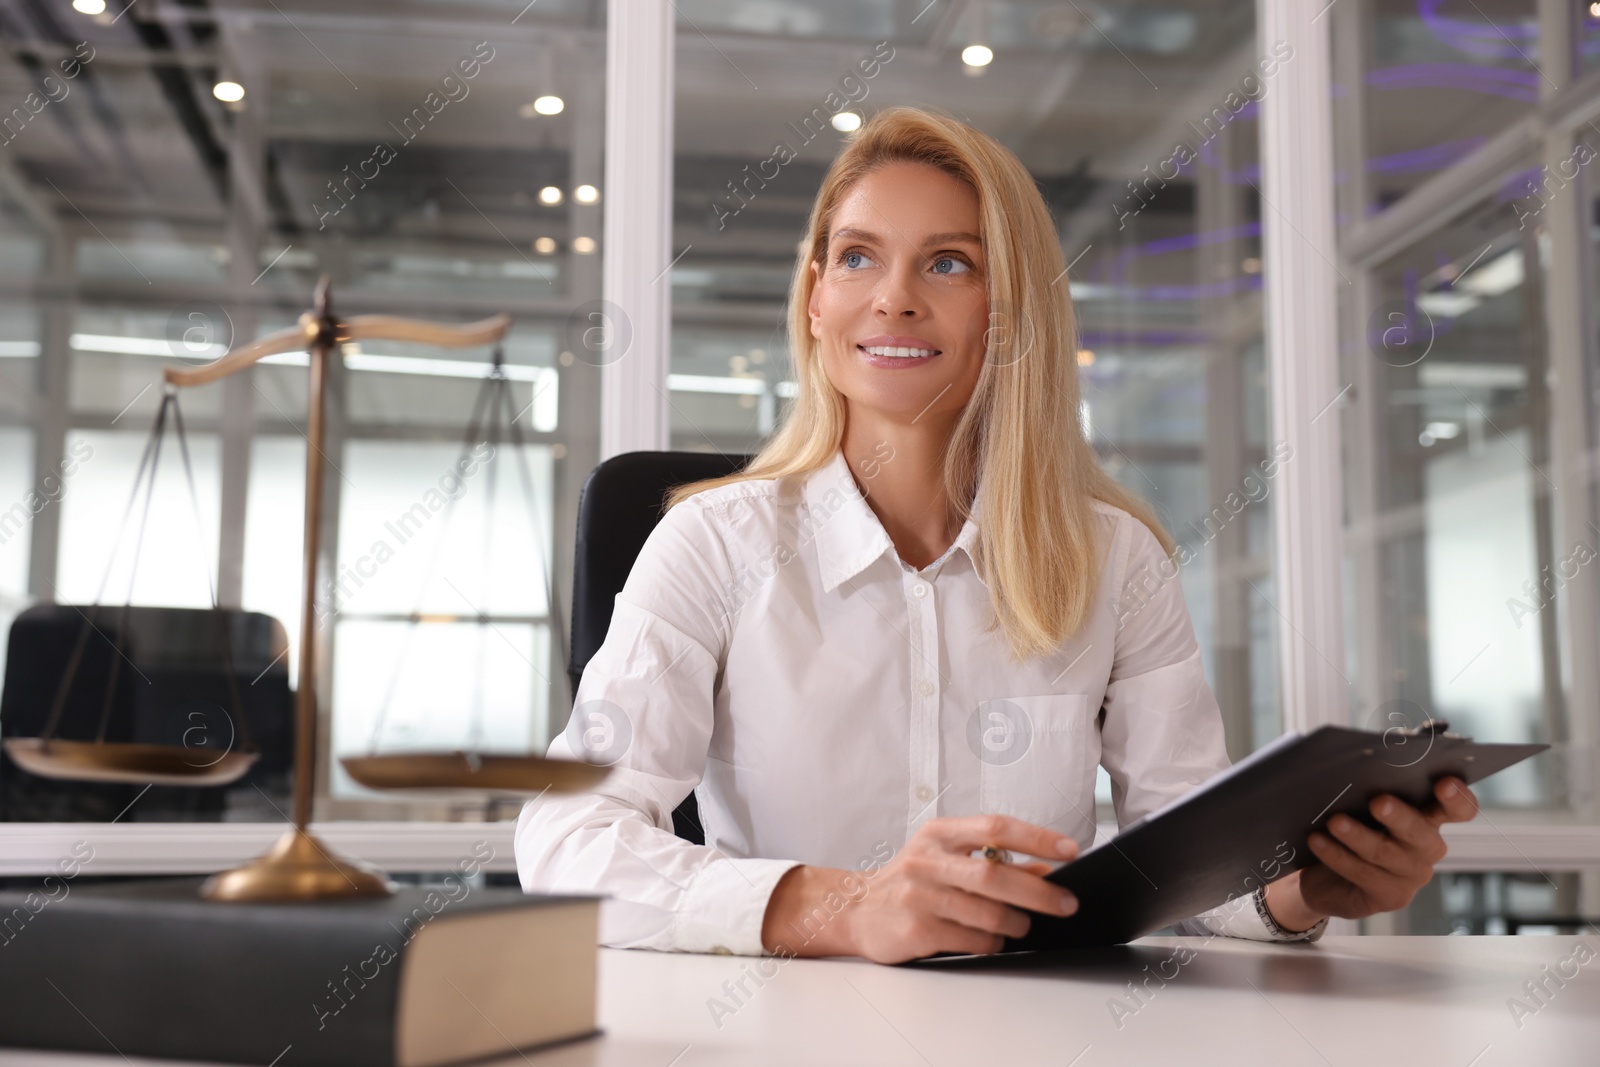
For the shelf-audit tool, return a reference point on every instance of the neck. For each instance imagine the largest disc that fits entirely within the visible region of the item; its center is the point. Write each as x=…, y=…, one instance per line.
x=900, y=468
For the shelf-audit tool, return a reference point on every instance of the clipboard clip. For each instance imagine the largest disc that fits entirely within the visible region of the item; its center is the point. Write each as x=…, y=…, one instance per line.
x=1428, y=728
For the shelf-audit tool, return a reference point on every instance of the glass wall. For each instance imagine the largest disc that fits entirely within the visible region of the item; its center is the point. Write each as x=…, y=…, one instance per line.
x=1139, y=126
x=193, y=173
x=1470, y=423
x=1442, y=78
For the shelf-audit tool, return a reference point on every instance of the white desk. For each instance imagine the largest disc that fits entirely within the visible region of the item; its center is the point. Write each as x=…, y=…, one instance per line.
x=1359, y=1001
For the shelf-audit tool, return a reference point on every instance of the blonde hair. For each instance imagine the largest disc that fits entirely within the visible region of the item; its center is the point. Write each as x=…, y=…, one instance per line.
x=1020, y=431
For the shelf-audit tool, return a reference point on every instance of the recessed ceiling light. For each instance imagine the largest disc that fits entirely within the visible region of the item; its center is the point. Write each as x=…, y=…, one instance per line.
x=977, y=55
x=586, y=194
x=545, y=246
x=550, y=195
x=847, y=122
x=89, y=7
x=228, y=92
x=583, y=245
x=549, y=105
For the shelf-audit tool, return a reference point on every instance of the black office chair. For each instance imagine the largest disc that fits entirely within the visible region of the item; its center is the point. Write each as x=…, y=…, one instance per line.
x=170, y=687
x=620, y=504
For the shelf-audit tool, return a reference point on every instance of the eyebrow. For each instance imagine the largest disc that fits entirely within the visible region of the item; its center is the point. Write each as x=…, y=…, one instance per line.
x=932, y=238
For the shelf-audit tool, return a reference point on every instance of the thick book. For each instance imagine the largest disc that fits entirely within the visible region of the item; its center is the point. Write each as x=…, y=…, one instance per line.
x=428, y=976
x=1249, y=826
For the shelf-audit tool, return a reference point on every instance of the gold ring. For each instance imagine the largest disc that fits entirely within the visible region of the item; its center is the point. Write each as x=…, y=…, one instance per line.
x=996, y=854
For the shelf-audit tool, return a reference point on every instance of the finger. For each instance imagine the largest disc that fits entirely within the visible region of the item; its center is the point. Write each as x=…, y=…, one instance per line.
x=1456, y=802
x=973, y=832
x=1376, y=881
x=1378, y=848
x=948, y=936
x=1007, y=884
x=979, y=913
x=1418, y=833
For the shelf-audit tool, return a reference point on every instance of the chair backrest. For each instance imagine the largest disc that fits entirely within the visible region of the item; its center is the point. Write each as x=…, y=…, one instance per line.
x=166, y=681
x=621, y=502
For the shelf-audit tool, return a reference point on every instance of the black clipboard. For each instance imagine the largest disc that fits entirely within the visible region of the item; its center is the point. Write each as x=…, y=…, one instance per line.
x=1248, y=826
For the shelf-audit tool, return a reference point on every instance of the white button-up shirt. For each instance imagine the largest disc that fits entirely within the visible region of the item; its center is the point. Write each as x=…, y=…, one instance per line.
x=771, y=652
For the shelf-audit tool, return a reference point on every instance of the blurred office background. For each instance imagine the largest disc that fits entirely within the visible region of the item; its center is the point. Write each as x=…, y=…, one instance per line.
x=184, y=189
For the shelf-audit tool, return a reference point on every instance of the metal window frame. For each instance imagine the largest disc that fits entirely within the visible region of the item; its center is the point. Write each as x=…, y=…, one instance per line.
x=637, y=286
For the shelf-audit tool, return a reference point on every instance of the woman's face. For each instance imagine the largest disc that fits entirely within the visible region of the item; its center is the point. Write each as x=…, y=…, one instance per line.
x=901, y=304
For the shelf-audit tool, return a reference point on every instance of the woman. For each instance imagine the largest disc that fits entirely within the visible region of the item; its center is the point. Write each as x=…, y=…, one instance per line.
x=907, y=631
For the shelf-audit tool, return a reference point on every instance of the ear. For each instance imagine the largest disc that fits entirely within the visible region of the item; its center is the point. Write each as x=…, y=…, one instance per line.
x=811, y=305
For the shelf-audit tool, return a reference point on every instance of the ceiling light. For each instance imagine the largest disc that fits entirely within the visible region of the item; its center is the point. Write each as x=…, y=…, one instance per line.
x=1251, y=265
x=1085, y=357
x=89, y=7
x=550, y=195
x=977, y=55
x=586, y=194
x=847, y=122
x=549, y=105
x=1499, y=275
x=583, y=245
x=227, y=92
x=1447, y=303
x=545, y=246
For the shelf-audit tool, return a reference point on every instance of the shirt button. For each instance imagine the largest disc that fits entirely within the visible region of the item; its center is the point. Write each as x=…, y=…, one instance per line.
x=919, y=590
x=925, y=688
x=924, y=792
x=721, y=950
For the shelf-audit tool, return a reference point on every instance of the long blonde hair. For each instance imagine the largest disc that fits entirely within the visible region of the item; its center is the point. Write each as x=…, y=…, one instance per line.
x=1020, y=431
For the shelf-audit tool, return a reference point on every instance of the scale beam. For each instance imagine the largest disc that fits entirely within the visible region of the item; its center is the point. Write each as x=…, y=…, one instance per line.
x=302, y=336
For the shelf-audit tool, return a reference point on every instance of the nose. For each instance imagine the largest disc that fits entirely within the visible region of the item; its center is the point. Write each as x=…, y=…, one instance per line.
x=899, y=296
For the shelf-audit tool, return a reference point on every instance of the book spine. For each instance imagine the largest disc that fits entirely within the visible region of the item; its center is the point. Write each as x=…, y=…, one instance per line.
x=195, y=982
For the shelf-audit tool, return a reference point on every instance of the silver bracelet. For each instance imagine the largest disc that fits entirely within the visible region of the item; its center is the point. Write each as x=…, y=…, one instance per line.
x=1278, y=932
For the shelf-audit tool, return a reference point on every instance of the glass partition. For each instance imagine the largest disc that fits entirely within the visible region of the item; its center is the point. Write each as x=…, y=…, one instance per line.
x=203, y=169
x=1464, y=586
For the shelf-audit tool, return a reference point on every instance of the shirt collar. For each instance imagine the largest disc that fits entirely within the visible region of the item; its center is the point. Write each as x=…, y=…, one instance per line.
x=847, y=532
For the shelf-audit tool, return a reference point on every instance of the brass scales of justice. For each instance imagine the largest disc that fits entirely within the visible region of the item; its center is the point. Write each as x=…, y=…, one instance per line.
x=299, y=867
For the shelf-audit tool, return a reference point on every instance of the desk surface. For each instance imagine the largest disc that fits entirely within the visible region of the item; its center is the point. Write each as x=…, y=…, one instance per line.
x=1362, y=1001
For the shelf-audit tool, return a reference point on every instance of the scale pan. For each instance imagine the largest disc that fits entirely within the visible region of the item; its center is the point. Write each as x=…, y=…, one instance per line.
x=126, y=761
x=473, y=771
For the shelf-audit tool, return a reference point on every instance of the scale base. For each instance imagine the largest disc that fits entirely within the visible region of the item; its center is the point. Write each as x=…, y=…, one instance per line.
x=299, y=868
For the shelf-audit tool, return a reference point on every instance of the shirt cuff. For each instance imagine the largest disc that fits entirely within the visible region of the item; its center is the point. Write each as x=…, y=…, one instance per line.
x=724, y=906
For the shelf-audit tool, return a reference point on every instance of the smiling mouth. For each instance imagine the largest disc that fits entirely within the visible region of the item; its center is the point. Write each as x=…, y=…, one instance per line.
x=897, y=352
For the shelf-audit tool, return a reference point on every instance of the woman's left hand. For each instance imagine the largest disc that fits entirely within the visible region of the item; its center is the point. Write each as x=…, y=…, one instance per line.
x=1363, y=871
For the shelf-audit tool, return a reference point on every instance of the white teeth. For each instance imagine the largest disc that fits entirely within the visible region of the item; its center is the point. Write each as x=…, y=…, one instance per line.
x=898, y=352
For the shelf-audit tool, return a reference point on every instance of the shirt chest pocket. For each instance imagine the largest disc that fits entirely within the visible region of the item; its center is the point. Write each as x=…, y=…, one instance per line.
x=1036, y=758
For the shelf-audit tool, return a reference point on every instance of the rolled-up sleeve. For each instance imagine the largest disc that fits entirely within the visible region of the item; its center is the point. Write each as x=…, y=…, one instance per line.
x=645, y=707
x=1162, y=735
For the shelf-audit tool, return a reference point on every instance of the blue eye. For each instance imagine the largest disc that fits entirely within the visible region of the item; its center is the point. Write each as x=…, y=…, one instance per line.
x=949, y=265
x=854, y=259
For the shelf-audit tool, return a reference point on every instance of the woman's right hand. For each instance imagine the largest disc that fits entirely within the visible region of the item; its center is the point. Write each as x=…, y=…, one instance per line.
x=934, y=896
